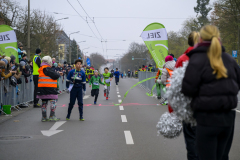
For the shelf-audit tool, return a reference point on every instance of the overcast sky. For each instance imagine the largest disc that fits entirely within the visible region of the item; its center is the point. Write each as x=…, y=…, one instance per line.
x=118, y=32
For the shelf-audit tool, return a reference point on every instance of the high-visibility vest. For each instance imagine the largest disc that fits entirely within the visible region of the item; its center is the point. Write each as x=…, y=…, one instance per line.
x=35, y=66
x=45, y=81
x=150, y=69
x=168, y=80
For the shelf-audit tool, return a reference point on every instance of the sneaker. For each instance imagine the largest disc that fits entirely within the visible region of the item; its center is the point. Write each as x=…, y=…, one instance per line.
x=44, y=119
x=67, y=119
x=37, y=106
x=95, y=103
x=54, y=118
x=106, y=98
x=162, y=100
x=105, y=94
x=81, y=119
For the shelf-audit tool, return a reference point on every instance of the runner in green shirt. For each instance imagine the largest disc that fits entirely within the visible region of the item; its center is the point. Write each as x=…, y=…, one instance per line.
x=95, y=81
x=107, y=78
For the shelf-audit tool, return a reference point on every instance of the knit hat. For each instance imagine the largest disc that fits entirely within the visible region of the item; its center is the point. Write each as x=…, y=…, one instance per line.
x=22, y=63
x=12, y=57
x=55, y=64
x=168, y=58
x=4, y=60
x=38, y=51
x=96, y=71
x=2, y=63
x=20, y=44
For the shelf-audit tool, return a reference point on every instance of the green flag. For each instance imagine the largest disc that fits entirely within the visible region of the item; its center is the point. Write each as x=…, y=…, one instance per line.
x=8, y=42
x=156, y=40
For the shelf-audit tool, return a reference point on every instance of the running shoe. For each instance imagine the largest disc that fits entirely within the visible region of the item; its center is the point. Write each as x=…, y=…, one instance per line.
x=81, y=119
x=95, y=103
x=37, y=106
x=44, y=119
x=67, y=119
x=162, y=100
x=106, y=98
x=54, y=118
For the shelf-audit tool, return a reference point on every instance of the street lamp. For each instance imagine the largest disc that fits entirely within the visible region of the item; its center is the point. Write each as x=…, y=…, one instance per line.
x=70, y=46
x=85, y=54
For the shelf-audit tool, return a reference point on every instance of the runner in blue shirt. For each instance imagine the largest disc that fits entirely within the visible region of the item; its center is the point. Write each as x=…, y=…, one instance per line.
x=116, y=74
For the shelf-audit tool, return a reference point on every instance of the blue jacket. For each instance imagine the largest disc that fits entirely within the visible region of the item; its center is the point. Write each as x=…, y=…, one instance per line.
x=19, y=53
x=80, y=80
x=116, y=73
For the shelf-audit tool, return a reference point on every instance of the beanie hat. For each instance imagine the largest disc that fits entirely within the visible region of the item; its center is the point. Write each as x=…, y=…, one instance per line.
x=7, y=58
x=22, y=63
x=12, y=57
x=55, y=64
x=38, y=51
x=20, y=44
x=24, y=55
x=4, y=60
x=168, y=58
x=2, y=63
x=171, y=55
x=96, y=71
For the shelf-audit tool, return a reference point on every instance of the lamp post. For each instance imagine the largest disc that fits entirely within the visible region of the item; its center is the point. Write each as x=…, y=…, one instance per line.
x=70, y=47
x=85, y=54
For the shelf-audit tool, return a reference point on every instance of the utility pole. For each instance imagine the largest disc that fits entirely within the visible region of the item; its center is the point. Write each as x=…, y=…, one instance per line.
x=28, y=45
x=70, y=57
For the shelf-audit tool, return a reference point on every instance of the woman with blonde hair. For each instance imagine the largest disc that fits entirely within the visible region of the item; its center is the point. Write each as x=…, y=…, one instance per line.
x=212, y=79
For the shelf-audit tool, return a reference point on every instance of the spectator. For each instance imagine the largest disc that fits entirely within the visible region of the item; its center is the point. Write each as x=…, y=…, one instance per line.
x=24, y=56
x=47, y=88
x=30, y=65
x=20, y=52
x=13, y=58
x=6, y=73
x=24, y=69
x=36, y=66
x=18, y=73
x=53, y=60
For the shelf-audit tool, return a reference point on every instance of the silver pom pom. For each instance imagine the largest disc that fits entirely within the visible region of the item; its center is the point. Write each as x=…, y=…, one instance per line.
x=178, y=101
x=169, y=125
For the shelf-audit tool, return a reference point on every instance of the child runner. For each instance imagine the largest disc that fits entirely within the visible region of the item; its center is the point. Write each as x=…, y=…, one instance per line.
x=107, y=78
x=95, y=81
x=116, y=74
x=76, y=83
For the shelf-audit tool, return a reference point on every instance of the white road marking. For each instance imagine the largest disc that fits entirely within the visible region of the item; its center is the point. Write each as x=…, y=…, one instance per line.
x=86, y=96
x=124, y=118
x=53, y=130
x=119, y=101
x=119, y=96
x=128, y=137
x=117, y=92
x=121, y=108
x=238, y=111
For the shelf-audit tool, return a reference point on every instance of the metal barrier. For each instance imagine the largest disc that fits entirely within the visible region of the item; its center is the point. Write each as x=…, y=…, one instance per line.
x=22, y=94
x=149, y=84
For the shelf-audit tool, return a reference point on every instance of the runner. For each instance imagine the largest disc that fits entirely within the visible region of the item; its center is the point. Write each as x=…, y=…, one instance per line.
x=95, y=81
x=107, y=78
x=116, y=74
x=76, y=83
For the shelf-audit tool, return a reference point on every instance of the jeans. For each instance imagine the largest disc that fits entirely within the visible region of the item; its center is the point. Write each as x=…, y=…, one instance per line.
x=76, y=93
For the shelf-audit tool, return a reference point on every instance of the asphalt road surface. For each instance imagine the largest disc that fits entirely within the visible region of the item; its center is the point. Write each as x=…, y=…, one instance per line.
x=126, y=132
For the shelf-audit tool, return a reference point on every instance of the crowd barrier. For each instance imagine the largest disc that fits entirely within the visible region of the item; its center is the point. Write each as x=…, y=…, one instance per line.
x=22, y=94
x=149, y=84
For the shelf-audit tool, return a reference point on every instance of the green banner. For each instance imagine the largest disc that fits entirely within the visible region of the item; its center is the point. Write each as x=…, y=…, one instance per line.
x=8, y=42
x=150, y=95
x=156, y=40
x=132, y=88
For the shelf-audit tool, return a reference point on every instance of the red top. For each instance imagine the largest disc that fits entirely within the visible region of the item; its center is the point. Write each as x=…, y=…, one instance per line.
x=183, y=58
x=179, y=63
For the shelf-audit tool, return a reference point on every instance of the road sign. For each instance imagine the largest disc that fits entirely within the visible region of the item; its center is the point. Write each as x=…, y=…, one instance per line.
x=234, y=53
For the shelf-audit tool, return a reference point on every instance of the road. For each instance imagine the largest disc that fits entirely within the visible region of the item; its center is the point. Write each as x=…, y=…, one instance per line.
x=108, y=133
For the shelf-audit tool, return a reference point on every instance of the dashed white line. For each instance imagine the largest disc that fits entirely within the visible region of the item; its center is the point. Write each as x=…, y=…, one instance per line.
x=124, y=118
x=121, y=108
x=119, y=101
x=117, y=92
x=238, y=111
x=119, y=96
x=128, y=137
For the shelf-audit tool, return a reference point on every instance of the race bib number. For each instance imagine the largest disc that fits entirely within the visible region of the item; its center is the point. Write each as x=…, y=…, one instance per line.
x=107, y=80
x=96, y=83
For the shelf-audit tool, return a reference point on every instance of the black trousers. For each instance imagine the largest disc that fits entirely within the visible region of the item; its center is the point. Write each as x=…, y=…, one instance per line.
x=95, y=93
x=116, y=80
x=35, y=81
x=190, y=141
x=214, y=143
x=76, y=93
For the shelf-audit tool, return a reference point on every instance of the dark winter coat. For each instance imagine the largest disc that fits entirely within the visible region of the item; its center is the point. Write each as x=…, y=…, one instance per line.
x=213, y=99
